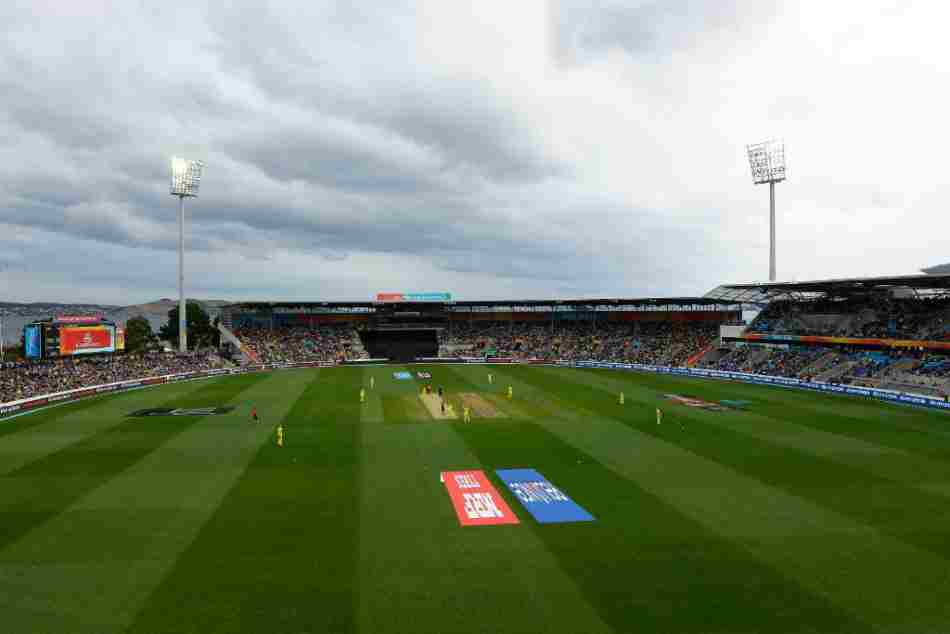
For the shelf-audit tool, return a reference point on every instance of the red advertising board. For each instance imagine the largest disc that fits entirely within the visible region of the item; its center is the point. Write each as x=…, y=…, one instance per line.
x=388, y=297
x=85, y=340
x=78, y=319
x=476, y=501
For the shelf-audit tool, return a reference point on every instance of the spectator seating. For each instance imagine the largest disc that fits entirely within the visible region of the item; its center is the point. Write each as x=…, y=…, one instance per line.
x=27, y=379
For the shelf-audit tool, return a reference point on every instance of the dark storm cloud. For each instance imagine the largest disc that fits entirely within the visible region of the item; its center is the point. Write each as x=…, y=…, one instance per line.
x=414, y=143
x=299, y=159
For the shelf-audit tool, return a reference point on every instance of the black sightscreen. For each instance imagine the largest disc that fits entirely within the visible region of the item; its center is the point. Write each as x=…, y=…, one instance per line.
x=401, y=345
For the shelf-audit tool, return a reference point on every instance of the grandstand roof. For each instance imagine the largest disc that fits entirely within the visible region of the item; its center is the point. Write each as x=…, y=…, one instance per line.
x=765, y=292
x=579, y=303
x=940, y=269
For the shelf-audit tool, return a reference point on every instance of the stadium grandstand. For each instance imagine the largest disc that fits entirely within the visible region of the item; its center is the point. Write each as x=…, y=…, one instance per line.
x=649, y=330
x=889, y=333
x=882, y=332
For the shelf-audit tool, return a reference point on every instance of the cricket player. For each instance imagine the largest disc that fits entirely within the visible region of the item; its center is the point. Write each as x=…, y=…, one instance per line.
x=466, y=414
x=621, y=398
x=659, y=416
x=254, y=414
x=491, y=378
x=511, y=392
x=362, y=395
x=280, y=435
x=372, y=382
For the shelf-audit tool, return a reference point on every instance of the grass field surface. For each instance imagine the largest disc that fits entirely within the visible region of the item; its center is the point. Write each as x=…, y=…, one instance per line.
x=800, y=513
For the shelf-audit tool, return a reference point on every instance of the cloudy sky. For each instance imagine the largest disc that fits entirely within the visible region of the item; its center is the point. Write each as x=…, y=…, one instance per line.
x=491, y=149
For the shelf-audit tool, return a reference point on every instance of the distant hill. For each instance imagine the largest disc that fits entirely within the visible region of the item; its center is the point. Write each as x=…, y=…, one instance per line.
x=16, y=315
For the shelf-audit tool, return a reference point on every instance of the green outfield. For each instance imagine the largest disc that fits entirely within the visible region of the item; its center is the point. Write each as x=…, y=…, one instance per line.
x=796, y=513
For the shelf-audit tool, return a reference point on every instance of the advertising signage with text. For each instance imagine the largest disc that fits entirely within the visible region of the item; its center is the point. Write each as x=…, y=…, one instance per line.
x=86, y=340
x=78, y=319
x=413, y=297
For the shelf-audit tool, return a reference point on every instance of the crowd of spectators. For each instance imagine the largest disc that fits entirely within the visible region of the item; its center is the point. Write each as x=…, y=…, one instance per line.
x=647, y=342
x=25, y=379
x=658, y=343
x=775, y=362
x=335, y=342
x=878, y=316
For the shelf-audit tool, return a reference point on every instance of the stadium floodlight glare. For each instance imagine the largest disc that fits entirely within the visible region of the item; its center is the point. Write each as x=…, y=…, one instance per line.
x=767, y=160
x=186, y=179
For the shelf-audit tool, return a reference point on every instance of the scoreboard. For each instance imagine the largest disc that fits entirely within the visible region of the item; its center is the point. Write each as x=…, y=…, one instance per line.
x=67, y=337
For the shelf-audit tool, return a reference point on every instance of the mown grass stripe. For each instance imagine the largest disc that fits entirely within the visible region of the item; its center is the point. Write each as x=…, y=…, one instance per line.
x=921, y=431
x=42, y=489
x=278, y=553
x=90, y=568
x=42, y=417
x=825, y=551
x=876, y=489
x=855, y=443
x=55, y=432
x=641, y=574
x=421, y=572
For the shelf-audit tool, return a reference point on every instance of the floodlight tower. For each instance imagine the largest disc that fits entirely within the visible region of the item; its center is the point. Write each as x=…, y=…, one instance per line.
x=767, y=160
x=3, y=311
x=186, y=178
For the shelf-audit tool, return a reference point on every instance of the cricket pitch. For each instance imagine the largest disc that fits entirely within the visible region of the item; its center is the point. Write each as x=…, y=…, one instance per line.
x=434, y=404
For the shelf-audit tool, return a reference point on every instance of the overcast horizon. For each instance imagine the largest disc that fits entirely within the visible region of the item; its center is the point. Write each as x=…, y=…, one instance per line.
x=504, y=150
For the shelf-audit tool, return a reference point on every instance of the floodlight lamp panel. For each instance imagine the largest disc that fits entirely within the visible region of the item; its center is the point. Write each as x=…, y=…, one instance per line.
x=186, y=177
x=767, y=161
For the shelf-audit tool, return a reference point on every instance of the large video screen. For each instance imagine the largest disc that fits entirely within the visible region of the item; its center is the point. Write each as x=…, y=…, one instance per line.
x=86, y=340
x=32, y=341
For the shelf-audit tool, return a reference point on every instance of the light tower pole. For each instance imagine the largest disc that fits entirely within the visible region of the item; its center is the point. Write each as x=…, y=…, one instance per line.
x=2, y=313
x=767, y=160
x=186, y=179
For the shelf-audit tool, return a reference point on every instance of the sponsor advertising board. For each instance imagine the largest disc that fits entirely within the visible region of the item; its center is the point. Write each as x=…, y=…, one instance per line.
x=32, y=342
x=78, y=319
x=413, y=297
x=424, y=375
x=86, y=340
x=182, y=411
x=852, y=341
x=546, y=503
x=476, y=501
x=698, y=403
x=402, y=376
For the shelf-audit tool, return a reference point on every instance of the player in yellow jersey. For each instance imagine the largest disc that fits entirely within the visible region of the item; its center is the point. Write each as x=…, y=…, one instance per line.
x=491, y=378
x=372, y=382
x=659, y=416
x=362, y=395
x=621, y=398
x=466, y=414
x=280, y=435
x=511, y=392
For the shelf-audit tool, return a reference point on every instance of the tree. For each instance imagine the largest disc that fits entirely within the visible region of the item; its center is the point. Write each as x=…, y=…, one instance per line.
x=138, y=334
x=201, y=332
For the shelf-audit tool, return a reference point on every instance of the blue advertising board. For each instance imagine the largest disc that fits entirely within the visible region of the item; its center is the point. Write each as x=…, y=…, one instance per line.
x=31, y=342
x=546, y=503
